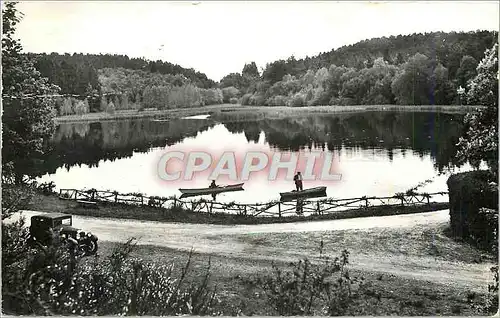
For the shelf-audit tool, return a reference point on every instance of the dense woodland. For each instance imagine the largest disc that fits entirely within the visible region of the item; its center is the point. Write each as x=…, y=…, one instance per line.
x=418, y=69
x=414, y=69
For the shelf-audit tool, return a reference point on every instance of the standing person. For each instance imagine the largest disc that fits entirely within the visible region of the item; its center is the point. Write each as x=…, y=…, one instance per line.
x=298, y=181
x=213, y=185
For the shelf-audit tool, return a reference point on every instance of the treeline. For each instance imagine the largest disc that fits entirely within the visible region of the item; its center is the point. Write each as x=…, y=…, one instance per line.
x=432, y=68
x=78, y=73
x=416, y=69
x=153, y=90
x=114, y=82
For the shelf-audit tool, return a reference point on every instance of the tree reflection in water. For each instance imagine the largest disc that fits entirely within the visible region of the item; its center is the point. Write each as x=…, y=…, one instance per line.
x=423, y=132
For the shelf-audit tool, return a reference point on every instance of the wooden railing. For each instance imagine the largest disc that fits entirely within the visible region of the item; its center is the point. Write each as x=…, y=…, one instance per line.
x=268, y=209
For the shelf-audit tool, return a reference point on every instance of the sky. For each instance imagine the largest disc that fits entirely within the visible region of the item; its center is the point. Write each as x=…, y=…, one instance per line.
x=218, y=38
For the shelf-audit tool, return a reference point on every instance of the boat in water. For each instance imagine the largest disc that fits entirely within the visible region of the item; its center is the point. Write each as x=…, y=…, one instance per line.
x=215, y=190
x=307, y=193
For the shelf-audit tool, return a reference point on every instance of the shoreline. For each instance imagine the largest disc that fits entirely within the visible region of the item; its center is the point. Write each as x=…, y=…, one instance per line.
x=52, y=203
x=281, y=111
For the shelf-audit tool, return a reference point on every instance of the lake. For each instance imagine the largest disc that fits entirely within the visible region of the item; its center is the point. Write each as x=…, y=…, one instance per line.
x=376, y=153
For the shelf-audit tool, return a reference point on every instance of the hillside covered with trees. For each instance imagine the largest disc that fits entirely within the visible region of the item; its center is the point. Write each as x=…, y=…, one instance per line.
x=419, y=69
x=415, y=69
x=113, y=82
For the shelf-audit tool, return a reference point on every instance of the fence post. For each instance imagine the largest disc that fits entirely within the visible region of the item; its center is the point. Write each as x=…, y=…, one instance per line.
x=116, y=197
x=245, y=209
x=175, y=202
x=211, y=205
x=279, y=209
x=142, y=200
x=317, y=207
x=366, y=202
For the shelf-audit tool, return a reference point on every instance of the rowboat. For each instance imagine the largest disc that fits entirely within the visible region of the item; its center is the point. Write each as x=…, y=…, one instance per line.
x=320, y=191
x=202, y=191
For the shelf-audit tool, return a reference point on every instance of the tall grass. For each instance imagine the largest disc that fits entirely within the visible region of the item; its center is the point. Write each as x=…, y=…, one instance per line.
x=221, y=112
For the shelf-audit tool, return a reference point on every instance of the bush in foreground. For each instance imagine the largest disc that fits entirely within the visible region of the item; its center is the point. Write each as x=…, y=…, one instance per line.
x=55, y=281
x=322, y=288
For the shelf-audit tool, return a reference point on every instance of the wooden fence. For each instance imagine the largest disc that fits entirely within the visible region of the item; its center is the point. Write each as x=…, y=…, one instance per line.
x=269, y=209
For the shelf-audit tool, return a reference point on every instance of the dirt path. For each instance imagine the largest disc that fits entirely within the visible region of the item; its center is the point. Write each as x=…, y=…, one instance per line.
x=236, y=241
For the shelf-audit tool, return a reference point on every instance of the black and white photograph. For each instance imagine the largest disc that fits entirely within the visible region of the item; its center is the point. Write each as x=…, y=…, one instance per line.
x=250, y=158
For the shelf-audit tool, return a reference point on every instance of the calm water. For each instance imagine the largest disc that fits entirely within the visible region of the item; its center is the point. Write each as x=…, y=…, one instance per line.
x=377, y=153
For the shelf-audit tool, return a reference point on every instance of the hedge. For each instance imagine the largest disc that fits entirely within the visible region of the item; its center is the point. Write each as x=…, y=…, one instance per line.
x=474, y=208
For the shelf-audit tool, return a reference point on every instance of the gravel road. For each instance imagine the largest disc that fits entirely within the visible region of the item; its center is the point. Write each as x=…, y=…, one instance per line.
x=223, y=240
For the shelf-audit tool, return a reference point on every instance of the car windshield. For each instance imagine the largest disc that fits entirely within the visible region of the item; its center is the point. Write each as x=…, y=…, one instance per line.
x=66, y=221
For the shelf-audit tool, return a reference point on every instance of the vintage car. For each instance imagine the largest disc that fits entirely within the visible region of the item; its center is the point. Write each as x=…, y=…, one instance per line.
x=44, y=226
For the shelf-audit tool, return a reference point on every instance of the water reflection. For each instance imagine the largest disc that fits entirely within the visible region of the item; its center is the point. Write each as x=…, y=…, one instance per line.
x=379, y=153
x=424, y=133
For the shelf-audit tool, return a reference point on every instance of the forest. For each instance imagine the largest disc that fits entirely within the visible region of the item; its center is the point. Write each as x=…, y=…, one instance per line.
x=418, y=69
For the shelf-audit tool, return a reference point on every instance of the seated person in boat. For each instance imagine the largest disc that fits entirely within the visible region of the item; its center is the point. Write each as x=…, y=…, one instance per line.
x=298, y=181
x=213, y=185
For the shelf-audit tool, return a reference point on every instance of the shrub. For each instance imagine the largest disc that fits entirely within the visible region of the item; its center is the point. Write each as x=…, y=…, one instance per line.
x=212, y=96
x=103, y=104
x=230, y=92
x=16, y=197
x=184, y=96
x=257, y=100
x=311, y=289
x=110, y=108
x=66, y=107
x=277, y=101
x=297, y=101
x=346, y=101
x=233, y=100
x=483, y=230
x=46, y=188
x=139, y=107
x=125, y=101
x=81, y=108
x=492, y=304
x=245, y=100
x=488, y=306
x=468, y=193
x=56, y=281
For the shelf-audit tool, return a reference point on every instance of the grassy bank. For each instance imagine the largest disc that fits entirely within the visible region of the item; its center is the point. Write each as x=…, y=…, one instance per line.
x=148, y=113
x=254, y=111
x=51, y=203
